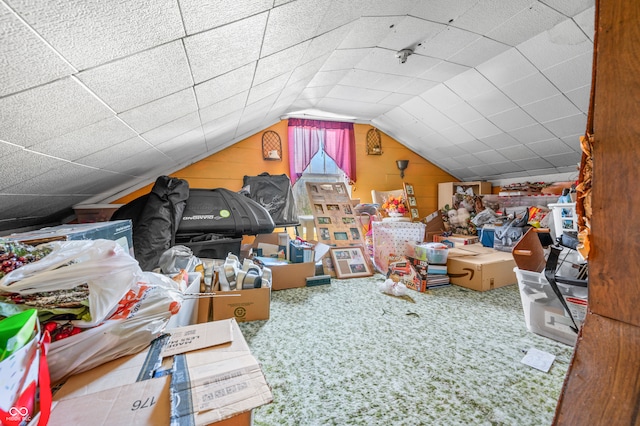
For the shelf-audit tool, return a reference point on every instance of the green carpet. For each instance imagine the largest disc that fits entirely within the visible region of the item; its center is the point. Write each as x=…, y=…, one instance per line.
x=347, y=354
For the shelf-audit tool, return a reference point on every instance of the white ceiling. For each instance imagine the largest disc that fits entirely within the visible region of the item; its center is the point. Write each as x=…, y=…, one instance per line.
x=100, y=96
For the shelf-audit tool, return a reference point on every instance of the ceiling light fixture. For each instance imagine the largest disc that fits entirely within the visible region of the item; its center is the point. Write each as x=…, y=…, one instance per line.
x=403, y=54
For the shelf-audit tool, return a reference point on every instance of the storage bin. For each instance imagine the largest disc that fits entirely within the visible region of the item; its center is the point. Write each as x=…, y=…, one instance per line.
x=543, y=311
x=564, y=217
x=436, y=253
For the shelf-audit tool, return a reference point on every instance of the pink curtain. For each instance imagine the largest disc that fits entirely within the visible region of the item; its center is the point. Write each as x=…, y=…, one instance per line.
x=304, y=141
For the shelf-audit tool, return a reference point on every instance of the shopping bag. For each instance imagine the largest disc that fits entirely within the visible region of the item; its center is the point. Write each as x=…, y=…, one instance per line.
x=24, y=372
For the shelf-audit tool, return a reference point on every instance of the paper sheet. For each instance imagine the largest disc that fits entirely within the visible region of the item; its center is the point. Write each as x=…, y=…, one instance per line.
x=538, y=359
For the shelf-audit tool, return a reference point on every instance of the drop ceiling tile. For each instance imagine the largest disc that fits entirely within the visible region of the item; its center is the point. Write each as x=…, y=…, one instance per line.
x=345, y=59
x=114, y=153
x=141, y=78
x=447, y=42
x=586, y=21
x=506, y=68
x=141, y=163
x=203, y=15
x=185, y=145
x=450, y=151
x=534, y=164
x=416, y=86
x=474, y=147
x=292, y=23
x=517, y=152
x=48, y=111
x=481, y=128
x=478, y=51
x=442, y=11
x=369, y=31
x=8, y=149
x=224, y=107
x=551, y=109
x=225, y=86
x=315, y=92
x=160, y=111
x=470, y=84
x=385, y=7
x=549, y=147
x=446, y=162
x=395, y=99
x=580, y=97
x=560, y=43
x=491, y=103
x=527, y=23
x=68, y=179
x=573, y=142
x=530, y=134
x=462, y=113
x=428, y=114
x=399, y=117
x=92, y=33
x=385, y=61
x=362, y=78
x=530, y=89
x=328, y=78
x=366, y=111
x=410, y=31
x=356, y=93
x=507, y=167
x=443, y=71
x=218, y=51
x=456, y=135
x=571, y=74
x=84, y=141
x=441, y=97
x=567, y=126
x=339, y=18
x=307, y=71
x=256, y=111
x=570, y=8
x=490, y=157
x=512, y=119
x=483, y=169
x=30, y=62
x=24, y=165
x=502, y=140
x=434, y=140
x=262, y=90
x=467, y=160
x=172, y=129
x=280, y=63
x=484, y=16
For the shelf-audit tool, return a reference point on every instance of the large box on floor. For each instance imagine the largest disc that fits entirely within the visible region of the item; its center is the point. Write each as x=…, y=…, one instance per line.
x=116, y=230
x=285, y=275
x=543, y=311
x=483, y=271
x=252, y=304
x=205, y=375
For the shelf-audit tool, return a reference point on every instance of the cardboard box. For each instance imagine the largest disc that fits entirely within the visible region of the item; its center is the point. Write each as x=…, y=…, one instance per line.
x=482, y=272
x=212, y=378
x=286, y=275
x=244, y=305
x=457, y=240
x=117, y=230
x=188, y=313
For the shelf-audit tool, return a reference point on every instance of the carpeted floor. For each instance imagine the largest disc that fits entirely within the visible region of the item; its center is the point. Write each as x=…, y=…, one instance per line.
x=347, y=354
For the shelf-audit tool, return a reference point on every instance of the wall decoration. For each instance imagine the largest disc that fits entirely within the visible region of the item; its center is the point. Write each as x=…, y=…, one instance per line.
x=350, y=262
x=412, y=201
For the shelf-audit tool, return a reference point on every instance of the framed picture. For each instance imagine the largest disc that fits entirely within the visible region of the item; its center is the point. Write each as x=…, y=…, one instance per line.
x=412, y=201
x=350, y=262
x=324, y=220
x=408, y=189
x=415, y=214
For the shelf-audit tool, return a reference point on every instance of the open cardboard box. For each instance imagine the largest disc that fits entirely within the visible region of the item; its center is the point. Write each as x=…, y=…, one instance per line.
x=207, y=375
x=252, y=304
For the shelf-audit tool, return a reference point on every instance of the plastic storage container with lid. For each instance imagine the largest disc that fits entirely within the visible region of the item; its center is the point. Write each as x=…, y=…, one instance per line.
x=435, y=253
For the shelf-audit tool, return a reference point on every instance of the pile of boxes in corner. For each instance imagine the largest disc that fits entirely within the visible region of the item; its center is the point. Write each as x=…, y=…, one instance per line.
x=173, y=366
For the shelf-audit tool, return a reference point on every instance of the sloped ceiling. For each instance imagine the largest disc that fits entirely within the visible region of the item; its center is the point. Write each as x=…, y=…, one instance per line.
x=97, y=97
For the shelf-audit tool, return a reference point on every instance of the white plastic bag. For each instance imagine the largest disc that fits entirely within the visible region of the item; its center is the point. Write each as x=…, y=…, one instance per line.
x=107, y=269
x=141, y=316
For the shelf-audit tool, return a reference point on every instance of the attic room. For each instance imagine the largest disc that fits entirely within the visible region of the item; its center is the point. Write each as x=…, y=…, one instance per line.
x=100, y=100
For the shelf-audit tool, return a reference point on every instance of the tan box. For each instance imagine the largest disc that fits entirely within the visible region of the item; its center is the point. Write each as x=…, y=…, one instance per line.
x=220, y=381
x=482, y=272
x=286, y=275
x=244, y=305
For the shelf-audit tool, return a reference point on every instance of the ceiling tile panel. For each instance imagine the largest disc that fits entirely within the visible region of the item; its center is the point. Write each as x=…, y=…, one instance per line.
x=344, y=59
x=569, y=8
x=218, y=51
x=225, y=86
x=141, y=78
x=172, y=129
x=586, y=22
x=478, y=51
x=307, y=71
x=27, y=63
x=416, y=87
x=328, y=78
x=451, y=151
x=350, y=93
x=443, y=71
x=527, y=23
x=483, y=16
x=517, y=152
x=114, y=153
x=84, y=141
x=470, y=84
x=550, y=147
x=428, y=114
x=534, y=133
x=409, y=32
x=48, y=111
x=580, y=97
x=572, y=74
x=441, y=97
x=567, y=126
x=280, y=63
x=446, y=42
x=512, y=119
x=457, y=135
x=134, y=164
x=68, y=179
x=506, y=68
x=395, y=99
x=560, y=43
x=442, y=11
x=467, y=160
x=491, y=103
x=534, y=164
x=160, y=111
x=462, y=113
x=482, y=169
x=385, y=61
x=292, y=23
x=325, y=43
x=8, y=149
x=507, y=167
x=502, y=140
x=530, y=89
x=369, y=31
x=262, y=90
x=92, y=33
x=481, y=128
x=489, y=157
x=551, y=109
x=201, y=15
x=224, y=107
x=191, y=142
x=25, y=165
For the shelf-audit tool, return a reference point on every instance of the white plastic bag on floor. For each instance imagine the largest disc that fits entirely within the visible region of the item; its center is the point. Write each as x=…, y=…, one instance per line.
x=141, y=316
x=103, y=265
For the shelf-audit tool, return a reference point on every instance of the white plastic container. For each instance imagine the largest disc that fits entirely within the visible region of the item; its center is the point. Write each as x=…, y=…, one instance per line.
x=564, y=217
x=543, y=311
x=436, y=253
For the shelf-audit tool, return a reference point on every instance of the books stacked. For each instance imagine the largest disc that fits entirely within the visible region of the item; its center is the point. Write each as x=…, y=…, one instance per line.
x=433, y=275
